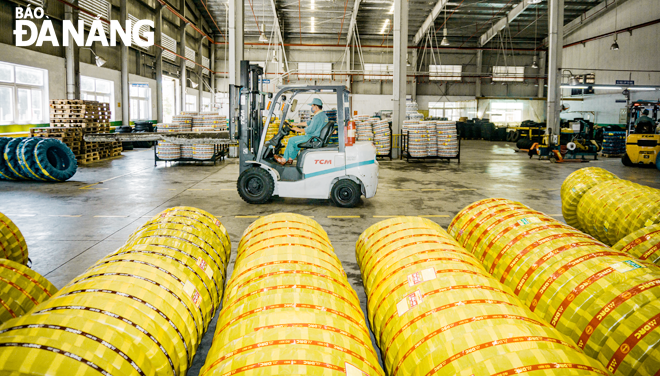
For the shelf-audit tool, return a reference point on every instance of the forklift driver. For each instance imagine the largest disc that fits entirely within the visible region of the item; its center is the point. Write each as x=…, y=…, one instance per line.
x=644, y=124
x=319, y=120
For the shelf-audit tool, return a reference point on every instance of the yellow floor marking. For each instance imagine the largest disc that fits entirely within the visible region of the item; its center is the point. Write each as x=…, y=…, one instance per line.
x=228, y=189
x=91, y=185
x=343, y=216
x=387, y=216
x=247, y=216
x=465, y=189
x=392, y=189
x=110, y=216
x=432, y=189
x=67, y=216
x=435, y=216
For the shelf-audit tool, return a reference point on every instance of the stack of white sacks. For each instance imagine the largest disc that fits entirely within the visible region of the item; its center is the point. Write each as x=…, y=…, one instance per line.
x=364, y=128
x=186, y=121
x=447, y=139
x=166, y=150
x=382, y=137
x=206, y=122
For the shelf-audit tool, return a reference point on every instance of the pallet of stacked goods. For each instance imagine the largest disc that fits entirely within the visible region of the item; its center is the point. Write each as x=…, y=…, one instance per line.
x=614, y=144
x=383, y=138
x=166, y=151
x=448, y=140
x=185, y=120
x=207, y=122
x=364, y=128
x=88, y=117
x=72, y=137
x=432, y=138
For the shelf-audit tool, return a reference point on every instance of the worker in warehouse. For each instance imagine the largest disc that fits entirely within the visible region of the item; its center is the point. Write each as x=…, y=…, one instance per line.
x=644, y=124
x=313, y=129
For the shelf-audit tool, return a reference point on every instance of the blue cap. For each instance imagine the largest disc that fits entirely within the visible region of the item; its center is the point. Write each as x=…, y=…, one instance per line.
x=317, y=102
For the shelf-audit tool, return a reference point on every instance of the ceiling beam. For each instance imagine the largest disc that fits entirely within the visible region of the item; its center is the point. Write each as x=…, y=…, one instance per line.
x=503, y=22
x=429, y=21
x=351, y=25
x=589, y=16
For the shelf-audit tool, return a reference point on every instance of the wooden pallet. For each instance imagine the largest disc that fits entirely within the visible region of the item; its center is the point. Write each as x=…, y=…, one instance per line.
x=66, y=101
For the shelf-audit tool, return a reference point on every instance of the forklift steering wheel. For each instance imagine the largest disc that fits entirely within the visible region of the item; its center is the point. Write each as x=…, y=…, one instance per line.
x=286, y=129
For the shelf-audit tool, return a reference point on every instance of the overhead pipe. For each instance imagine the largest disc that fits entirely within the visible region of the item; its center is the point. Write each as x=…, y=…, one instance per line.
x=605, y=35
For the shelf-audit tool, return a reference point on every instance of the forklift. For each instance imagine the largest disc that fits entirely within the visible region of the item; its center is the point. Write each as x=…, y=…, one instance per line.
x=642, y=143
x=341, y=172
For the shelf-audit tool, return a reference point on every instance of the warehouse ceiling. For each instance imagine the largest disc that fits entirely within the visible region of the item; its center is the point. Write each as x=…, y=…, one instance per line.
x=327, y=21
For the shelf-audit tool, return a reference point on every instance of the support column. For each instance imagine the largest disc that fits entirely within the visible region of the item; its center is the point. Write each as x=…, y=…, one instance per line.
x=555, y=46
x=413, y=64
x=480, y=62
x=400, y=69
x=236, y=15
x=72, y=58
x=200, y=74
x=183, y=76
x=158, y=34
x=211, y=74
x=125, y=101
x=542, y=72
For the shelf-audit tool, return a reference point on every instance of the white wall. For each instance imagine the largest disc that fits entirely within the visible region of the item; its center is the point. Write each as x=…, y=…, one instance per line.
x=55, y=66
x=637, y=52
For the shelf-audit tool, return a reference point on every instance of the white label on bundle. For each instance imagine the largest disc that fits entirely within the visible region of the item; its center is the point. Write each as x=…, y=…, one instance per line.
x=205, y=267
x=626, y=266
x=352, y=370
x=409, y=302
x=190, y=289
x=428, y=274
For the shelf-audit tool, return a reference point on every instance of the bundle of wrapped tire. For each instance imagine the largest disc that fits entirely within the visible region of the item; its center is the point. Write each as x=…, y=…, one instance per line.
x=605, y=300
x=35, y=158
x=141, y=310
x=12, y=241
x=288, y=307
x=606, y=207
x=434, y=310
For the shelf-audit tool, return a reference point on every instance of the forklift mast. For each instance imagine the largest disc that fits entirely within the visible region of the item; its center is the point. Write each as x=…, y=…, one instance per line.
x=246, y=103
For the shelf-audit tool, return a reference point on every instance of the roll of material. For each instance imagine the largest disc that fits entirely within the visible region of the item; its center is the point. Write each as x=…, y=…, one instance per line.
x=435, y=310
x=141, y=310
x=575, y=186
x=643, y=244
x=288, y=307
x=21, y=289
x=12, y=242
x=585, y=289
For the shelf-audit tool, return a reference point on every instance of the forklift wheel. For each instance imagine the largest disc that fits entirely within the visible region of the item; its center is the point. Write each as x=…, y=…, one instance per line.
x=345, y=193
x=255, y=185
x=626, y=160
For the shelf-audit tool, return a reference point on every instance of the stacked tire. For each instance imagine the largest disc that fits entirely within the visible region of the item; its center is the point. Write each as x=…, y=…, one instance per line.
x=608, y=208
x=168, y=150
x=141, y=310
x=434, y=310
x=289, y=308
x=605, y=300
x=643, y=244
x=447, y=139
x=418, y=140
x=12, y=241
x=432, y=138
x=382, y=137
x=34, y=158
x=21, y=289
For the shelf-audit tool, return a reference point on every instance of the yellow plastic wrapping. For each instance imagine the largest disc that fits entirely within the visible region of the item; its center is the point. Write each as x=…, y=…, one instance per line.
x=12, y=242
x=575, y=186
x=589, y=292
x=21, y=289
x=643, y=244
x=434, y=310
x=288, y=307
x=606, y=207
x=141, y=310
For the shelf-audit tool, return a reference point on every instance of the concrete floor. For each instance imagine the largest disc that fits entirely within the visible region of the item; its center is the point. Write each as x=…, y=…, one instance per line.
x=71, y=225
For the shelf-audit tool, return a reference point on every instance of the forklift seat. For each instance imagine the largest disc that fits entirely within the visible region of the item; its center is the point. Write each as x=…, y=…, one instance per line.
x=320, y=141
x=645, y=127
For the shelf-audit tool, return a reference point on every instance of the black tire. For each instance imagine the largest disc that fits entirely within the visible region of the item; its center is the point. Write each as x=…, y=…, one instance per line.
x=27, y=160
x=12, y=159
x=255, y=185
x=515, y=136
x=55, y=160
x=346, y=193
x=524, y=143
x=626, y=161
x=509, y=135
x=5, y=172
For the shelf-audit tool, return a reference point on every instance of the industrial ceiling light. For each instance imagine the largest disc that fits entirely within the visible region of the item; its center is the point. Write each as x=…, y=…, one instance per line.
x=535, y=1
x=99, y=60
x=407, y=61
x=262, y=34
x=574, y=81
x=445, y=41
x=535, y=64
x=193, y=84
x=615, y=45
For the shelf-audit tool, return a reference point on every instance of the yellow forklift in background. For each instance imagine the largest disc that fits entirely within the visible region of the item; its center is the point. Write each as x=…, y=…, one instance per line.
x=642, y=142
